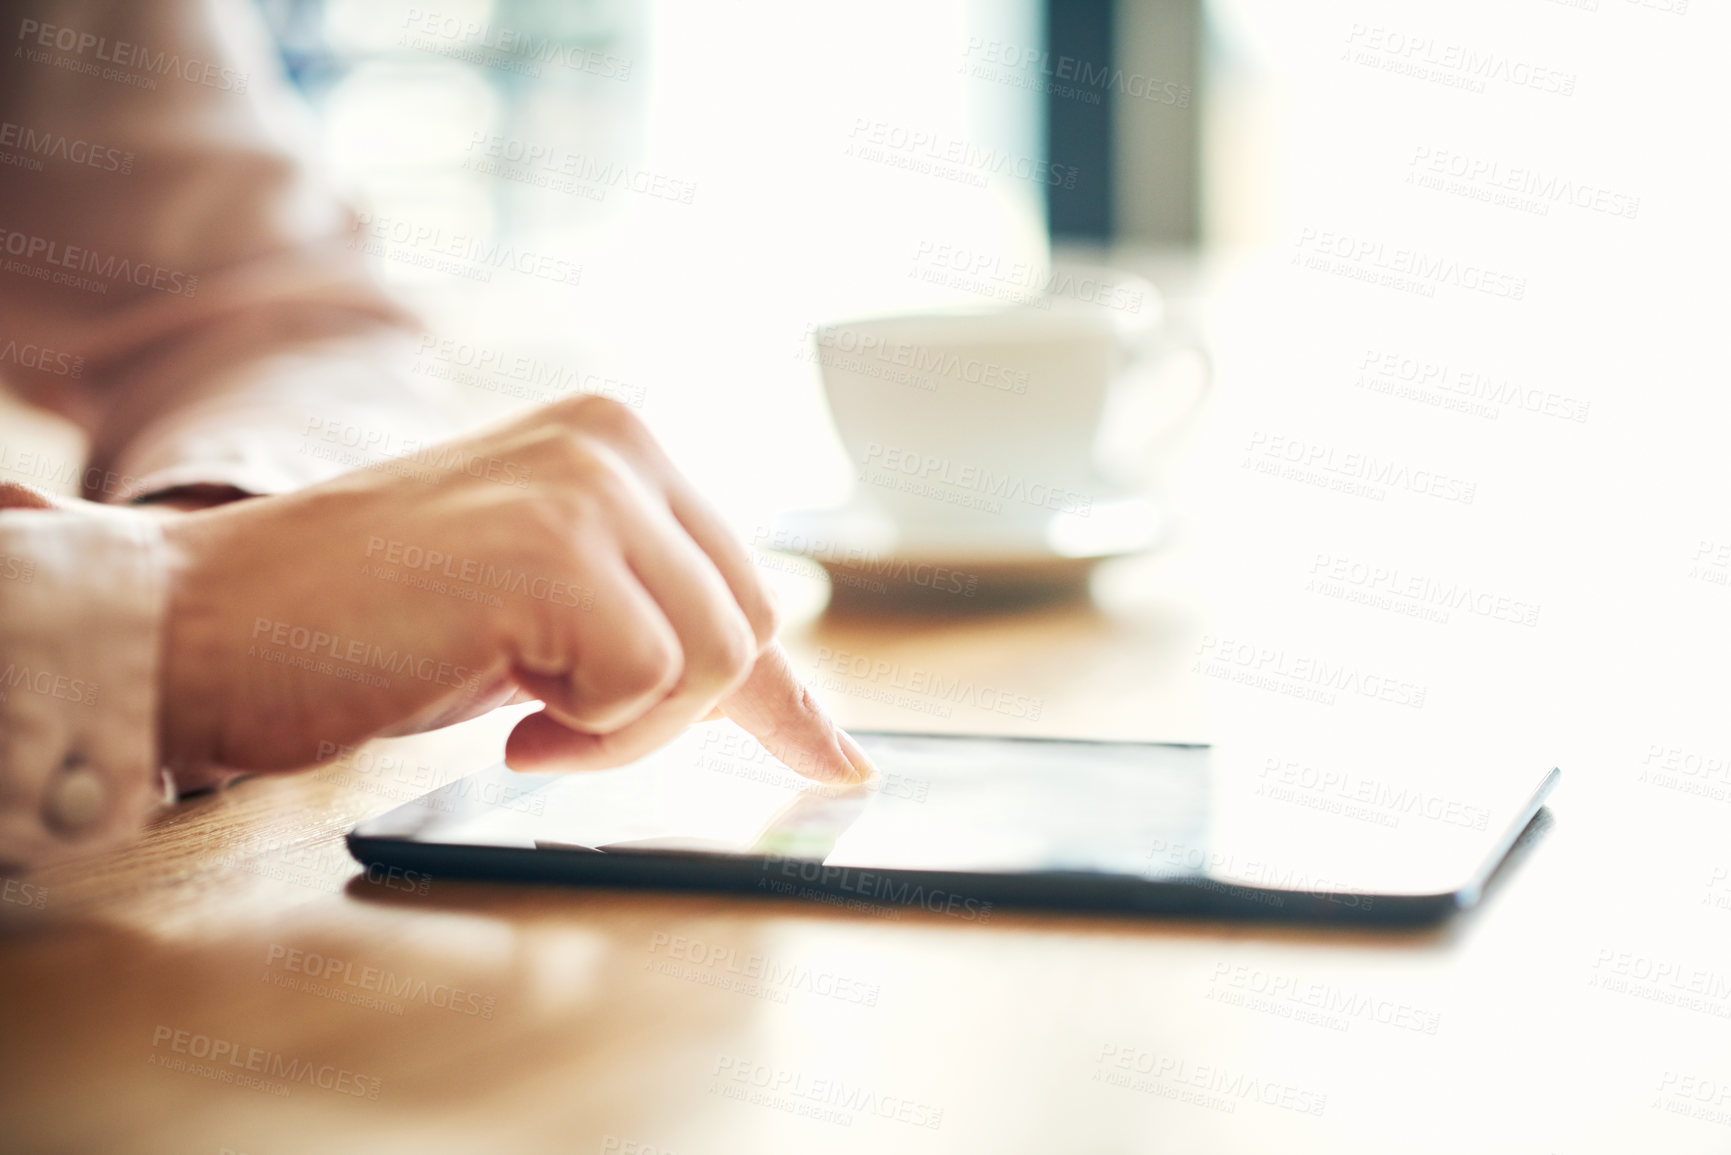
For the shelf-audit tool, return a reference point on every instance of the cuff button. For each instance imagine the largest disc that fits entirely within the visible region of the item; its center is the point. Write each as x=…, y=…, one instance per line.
x=76, y=799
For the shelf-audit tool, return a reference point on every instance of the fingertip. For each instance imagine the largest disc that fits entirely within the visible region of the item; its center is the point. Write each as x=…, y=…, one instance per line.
x=864, y=769
x=780, y=711
x=830, y=766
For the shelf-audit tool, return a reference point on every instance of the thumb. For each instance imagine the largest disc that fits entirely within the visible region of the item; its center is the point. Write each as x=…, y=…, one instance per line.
x=776, y=708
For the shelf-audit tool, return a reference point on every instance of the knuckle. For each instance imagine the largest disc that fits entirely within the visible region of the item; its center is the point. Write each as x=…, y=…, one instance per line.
x=546, y=442
x=599, y=470
x=652, y=668
x=727, y=653
x=764, y=616
x=562, y=446
x=589, y=475
x=648, y=670
x=608, y=419
x=737, y=653
x=571, y=450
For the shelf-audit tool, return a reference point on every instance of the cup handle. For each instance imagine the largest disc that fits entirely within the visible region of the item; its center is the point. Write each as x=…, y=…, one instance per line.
x=1150, y=421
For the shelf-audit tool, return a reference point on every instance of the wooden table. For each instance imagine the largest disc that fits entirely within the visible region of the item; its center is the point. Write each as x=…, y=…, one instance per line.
x=140, y=987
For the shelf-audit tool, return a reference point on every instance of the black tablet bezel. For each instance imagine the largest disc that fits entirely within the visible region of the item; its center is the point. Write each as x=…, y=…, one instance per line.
x=388, y=840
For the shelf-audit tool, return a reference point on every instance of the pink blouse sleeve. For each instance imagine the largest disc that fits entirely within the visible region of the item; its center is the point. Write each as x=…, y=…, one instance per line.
x=174, y=277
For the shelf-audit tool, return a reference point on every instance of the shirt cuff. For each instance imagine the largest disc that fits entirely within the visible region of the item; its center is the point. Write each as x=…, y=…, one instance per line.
x=83, y=595
x=286, y=421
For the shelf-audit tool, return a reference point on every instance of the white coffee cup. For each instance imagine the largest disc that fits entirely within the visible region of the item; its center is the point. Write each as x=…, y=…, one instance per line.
x=982, y=427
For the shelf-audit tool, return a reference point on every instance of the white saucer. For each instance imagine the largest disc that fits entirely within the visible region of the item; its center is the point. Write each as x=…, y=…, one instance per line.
x=859, y=538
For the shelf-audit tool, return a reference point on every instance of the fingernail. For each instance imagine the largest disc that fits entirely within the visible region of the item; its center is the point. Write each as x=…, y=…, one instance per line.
x=863, y=769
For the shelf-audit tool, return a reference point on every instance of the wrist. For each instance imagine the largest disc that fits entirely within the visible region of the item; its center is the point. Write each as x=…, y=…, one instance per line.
x=187, y=709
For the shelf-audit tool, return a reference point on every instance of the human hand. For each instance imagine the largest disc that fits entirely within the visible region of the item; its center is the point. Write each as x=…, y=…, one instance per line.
x=559, y=557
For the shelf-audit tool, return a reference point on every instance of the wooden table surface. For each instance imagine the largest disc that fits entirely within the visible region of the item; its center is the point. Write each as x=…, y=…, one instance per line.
x=542, y=1019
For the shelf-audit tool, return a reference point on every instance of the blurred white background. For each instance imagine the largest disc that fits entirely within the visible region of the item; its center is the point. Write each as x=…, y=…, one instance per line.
x=1561, y=155
x=695, y=296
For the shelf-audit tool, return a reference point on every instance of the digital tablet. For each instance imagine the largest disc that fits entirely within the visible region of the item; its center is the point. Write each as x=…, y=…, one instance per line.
x=966, y=826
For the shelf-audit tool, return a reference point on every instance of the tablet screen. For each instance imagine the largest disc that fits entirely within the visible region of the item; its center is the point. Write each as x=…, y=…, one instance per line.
x=982, y=806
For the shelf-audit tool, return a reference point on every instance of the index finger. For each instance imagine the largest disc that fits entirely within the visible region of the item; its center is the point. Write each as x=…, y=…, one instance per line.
x=777, y=709
x=627, y=435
